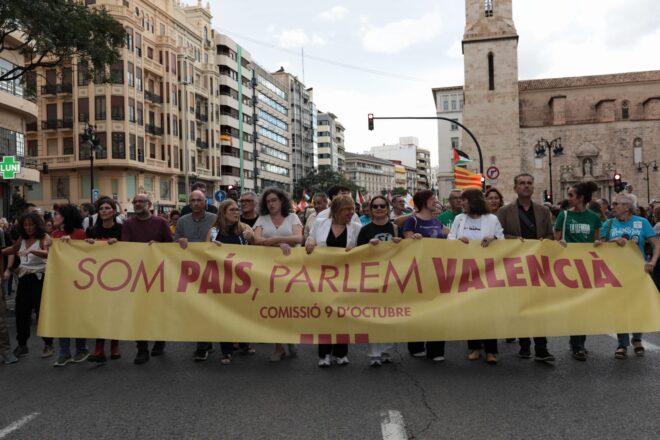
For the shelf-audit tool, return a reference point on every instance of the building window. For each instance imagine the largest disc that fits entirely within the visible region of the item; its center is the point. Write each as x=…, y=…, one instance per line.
x=491, y=71
x=453, y=104
x=99, y=108
x=488, y=8
x=454, y=142
x=118, y=146
x=445, y=105
x=625, y=112
x=454, y=127
x=67, y=146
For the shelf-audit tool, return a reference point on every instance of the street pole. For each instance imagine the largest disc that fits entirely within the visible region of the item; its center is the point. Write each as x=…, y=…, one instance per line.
x=553, y=147
x=474, y=139
x=647, y=165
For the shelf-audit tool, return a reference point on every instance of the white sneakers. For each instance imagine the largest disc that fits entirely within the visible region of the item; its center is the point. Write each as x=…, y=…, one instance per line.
x=326, y=361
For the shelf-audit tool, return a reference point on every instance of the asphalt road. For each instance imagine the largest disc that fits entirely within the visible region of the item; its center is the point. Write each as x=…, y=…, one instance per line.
x=172, y=397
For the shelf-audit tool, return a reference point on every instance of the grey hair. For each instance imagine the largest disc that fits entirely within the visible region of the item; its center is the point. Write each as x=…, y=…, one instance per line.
x=624, y=198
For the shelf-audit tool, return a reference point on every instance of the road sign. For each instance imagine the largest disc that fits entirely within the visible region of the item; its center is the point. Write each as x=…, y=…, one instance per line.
x=493, y=173
x=220, y=195
x=9, y=167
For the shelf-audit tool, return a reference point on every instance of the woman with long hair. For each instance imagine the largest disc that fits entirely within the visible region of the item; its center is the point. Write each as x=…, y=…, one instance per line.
x=32, y=249
x=278, y=226
x=477, y=223
x=108, y=230
x=228, y=229
x=335, y=231
x=494, y=199
x=578, y=224
x=68, y=225
x=381, y=228
x=424, y=224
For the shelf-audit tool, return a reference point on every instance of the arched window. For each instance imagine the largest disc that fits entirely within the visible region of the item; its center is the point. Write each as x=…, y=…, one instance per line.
x=625, y=112
x=491, y=71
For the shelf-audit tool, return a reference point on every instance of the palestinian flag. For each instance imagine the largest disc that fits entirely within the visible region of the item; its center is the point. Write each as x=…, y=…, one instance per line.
x=466, y=179
x=460, y=157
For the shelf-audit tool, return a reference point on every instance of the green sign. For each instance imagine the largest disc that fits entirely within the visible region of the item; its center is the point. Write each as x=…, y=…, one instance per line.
x=9, y=167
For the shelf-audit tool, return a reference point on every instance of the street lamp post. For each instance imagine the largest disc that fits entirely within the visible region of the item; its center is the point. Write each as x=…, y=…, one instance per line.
x=89, y=138
x=647, y=165
x=554, y=148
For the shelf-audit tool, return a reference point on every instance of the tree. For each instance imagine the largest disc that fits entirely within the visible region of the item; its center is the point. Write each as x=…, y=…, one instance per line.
x=321, y=181
x=48, y=33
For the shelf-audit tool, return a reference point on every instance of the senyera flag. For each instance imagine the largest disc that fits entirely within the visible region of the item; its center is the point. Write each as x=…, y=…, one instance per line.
x=466, y=179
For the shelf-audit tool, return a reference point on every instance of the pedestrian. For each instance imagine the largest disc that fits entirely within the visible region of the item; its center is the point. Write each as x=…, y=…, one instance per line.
x=380, y=229
x=624, y=227
x=320, y=204
x=494, y=199
x=339, y=231
x=455, y=208
x=424, y=224
x=194, y=228
x=524, y=219
x=228, y=229
x=108, y=230
x=365, y=218
x=278, y=226
x=173, y=218
x=6, y=355
x=248, y=205
x=476, y=223
x=145, y=227
x=578, y=225
x=68, y=225
x=31, y=246
x=199, y=186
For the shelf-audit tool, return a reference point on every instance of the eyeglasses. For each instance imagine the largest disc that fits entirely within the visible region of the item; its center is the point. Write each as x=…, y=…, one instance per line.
x=247, y=201
x=139, y=201
x=378, y=206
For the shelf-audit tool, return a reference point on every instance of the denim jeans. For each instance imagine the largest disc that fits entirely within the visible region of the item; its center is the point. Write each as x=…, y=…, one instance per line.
x=577, y=343
x=624, y=338
x=65, y=346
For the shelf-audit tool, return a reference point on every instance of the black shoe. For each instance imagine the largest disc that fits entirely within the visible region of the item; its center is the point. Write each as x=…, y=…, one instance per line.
x=510, y=340
x=158, y=349
x=544, y=356
x=142, y=357
x=580, y=356
x=200, y=355
x=21, y=350
x=525, y=353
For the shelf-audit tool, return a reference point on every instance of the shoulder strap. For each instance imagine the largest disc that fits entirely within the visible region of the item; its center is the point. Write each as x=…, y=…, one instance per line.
x=563, y=228
x=609, y=228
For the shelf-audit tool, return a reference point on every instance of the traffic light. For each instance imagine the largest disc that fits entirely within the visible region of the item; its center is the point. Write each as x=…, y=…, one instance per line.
x=371, y=121
x=546, y=196
x=619, y=185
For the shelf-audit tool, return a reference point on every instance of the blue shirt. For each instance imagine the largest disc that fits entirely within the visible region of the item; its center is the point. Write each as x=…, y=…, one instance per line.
x=637, y=228
x=365, y=219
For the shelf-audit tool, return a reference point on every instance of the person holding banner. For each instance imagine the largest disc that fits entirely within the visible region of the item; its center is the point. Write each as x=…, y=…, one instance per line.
x=526, y=220
x=424, y=224
x=68, y=225
x=278, y=226
x=623, y=227
x=146, y=228
x=476, y=223
x=336, y=231
x=32, y=248
x=105, y=229
x=380, y=229
x=229, y=229
x=579, y=225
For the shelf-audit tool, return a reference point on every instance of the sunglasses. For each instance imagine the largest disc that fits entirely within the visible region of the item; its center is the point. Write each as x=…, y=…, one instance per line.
x=378, y=206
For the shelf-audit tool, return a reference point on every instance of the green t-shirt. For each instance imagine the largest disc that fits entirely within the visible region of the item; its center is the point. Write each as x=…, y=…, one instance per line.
x=580, y=226
x=447, y=217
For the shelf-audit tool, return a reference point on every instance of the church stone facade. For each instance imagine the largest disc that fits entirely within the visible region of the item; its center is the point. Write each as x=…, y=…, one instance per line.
x=607, y=123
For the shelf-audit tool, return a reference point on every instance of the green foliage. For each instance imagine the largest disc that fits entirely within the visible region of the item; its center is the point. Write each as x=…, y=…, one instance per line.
x=57, y=31
x=321, y=181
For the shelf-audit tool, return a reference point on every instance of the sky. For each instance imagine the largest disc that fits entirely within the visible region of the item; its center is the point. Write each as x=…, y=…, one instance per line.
x=398, y=51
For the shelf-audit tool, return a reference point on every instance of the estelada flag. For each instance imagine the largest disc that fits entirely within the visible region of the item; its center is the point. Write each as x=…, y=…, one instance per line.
x=466, y=179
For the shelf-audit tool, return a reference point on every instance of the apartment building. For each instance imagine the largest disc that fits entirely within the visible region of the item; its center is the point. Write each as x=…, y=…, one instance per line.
x=302, y=125
x=410, y=154
x=376, y=176
x=16, y=107
x=448, y=104
x=272, y=143
x=155, y=120
x=331, y=147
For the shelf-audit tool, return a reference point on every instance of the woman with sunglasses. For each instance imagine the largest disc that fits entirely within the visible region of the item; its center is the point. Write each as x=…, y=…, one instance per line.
x=380, y=229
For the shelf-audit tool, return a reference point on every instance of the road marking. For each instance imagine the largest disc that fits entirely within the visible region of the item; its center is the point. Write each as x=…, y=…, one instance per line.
x=392, y=425
x=647, y=345
x=18, y=424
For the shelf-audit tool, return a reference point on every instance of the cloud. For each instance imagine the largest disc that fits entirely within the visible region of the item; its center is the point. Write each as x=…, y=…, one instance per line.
x=336, y=13
x=396, y=36
x=296, y=38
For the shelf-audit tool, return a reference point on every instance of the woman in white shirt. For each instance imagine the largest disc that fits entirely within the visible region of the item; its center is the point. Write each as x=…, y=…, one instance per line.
x=477, y=224
x=335, y=231
x=278, y=226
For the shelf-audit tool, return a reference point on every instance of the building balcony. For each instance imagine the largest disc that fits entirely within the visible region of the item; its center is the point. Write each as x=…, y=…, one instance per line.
x=53, y=89
x=153, y=130
x=201, y=144
x=51, y=124
x=152, y=97
x=161, y=164
x=204, y=172
x=31, y=126
x=201, y=116
x=67, y=122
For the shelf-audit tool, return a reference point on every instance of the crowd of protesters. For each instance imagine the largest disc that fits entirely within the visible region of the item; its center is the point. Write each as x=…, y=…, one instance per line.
x=333, y=220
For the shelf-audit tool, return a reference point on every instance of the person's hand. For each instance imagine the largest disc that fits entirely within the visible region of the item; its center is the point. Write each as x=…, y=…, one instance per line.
x=152, y=242
x=6, y=275
x=183, y=242
x=487, y=240
x=621, y=241
x=23, y=253
x=65, y=239
x=396, y=240
x=349, y=248
x=310, y=244
x=464, y=240
x=597, y=243
x=216, y=242
x=522, y=240
x=248, y=234
x=417, y=236
x=90, y=240
x=112, y=241
x=286, y=249
x=562, y=243
x=648, y=267
x=374, y=241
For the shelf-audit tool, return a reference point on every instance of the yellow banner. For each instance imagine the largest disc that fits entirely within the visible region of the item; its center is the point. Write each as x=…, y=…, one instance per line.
x=413, y=291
